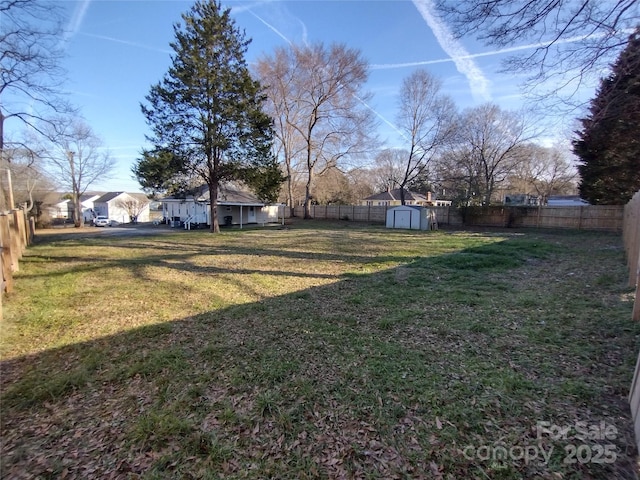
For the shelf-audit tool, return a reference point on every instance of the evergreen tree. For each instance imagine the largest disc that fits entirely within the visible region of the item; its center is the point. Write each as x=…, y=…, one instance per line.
x=608, y=144
x=158, y=172
x=207, y=109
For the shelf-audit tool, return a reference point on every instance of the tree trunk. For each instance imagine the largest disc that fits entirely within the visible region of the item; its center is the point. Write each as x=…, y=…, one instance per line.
x=307, y=196
x=77, y=210
x=489, y=192
x=213, y=203
x=289, y=187
x=402, y=197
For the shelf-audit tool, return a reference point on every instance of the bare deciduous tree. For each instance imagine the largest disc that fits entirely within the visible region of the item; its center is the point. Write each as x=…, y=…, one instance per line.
x=75, y=159
x=389, y=168
x=30, y=54
x=278, y=75
x=325, y=108
x=545, y=172
x=455, y=170
x=29, y=183
x=570, y=40
x=427, y=119
x=489, y=146
x=133, y=206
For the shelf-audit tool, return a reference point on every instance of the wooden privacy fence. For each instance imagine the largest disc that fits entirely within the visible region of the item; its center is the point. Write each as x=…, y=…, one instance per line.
x=16, y=233
x=589, y=217
x=631, y=238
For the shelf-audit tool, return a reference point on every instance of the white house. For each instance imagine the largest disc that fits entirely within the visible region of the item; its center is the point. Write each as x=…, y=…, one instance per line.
x=61, y=209
x=86, y=202
x=122, y=206
x=235, y=207
x=64, y=208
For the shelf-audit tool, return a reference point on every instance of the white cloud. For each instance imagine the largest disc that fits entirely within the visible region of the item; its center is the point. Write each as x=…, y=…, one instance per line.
x=478, y=83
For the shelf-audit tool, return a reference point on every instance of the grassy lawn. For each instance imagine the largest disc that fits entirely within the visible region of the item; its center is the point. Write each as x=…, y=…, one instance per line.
x=319, y=351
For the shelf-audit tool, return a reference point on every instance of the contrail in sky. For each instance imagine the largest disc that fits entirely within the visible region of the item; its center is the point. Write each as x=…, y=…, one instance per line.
x=271, y=27
x=76, y=20
x=127, y=42
x=464, y=63
x=384, y=66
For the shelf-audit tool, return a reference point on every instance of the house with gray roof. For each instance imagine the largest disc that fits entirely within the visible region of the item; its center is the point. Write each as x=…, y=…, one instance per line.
x=236, y=206
x=392, y=198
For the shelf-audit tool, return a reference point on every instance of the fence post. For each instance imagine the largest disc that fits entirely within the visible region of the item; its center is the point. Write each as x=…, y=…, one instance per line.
x=580, y=218
x=631, y=235
x=14, y=240
x=18, y=216
x=7, y=258
x=32, y=229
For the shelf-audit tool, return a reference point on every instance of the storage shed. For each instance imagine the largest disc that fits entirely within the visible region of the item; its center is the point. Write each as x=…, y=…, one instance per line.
x=412, y=218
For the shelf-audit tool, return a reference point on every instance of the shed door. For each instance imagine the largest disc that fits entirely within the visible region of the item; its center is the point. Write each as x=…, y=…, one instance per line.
x=402, y=219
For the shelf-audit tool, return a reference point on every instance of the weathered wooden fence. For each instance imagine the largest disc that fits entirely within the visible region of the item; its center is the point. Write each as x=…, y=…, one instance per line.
x=631, y=238
x=588, y=217
x=16, y=233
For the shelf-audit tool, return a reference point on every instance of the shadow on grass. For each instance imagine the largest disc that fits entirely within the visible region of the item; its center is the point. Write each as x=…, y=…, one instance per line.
x=180, y=257
x=388, y=374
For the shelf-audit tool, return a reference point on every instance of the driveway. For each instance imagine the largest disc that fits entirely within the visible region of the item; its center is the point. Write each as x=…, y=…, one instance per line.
x=129, y=230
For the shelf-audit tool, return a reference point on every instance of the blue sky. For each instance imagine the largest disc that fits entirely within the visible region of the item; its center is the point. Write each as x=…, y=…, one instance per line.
x=118, y=49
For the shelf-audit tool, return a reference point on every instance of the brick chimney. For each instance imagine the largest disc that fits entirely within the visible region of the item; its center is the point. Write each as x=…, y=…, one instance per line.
x=429, y=197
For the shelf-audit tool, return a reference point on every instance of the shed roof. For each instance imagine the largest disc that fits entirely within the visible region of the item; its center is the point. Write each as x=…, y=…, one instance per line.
x=400, y=207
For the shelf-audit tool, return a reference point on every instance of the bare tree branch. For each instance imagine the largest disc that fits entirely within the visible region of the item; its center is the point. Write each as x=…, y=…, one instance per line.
x=427, y=119
x=31, y=77
x=76, y=159
x=572, y=41
x=322, y=109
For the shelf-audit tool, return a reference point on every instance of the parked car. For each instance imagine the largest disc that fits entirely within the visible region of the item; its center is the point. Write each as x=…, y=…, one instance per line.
x=101, y=221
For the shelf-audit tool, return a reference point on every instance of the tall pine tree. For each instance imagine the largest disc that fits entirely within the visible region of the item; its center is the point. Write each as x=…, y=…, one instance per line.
x=207, y=110
x=608, y=144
